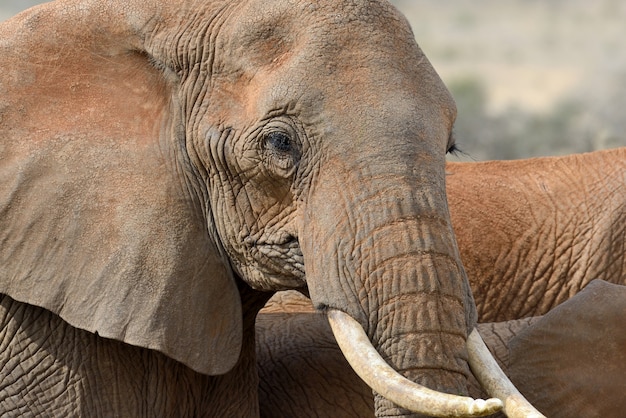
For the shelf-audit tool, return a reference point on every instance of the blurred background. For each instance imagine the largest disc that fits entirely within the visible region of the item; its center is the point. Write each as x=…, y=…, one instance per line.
x=530, y=77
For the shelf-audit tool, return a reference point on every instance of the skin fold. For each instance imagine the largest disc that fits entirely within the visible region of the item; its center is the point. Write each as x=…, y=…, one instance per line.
x=569, y=362
x=532, y=233
x=165, y=163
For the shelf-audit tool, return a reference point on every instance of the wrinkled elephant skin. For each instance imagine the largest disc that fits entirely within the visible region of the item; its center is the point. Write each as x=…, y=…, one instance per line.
x=163, y=162
x=569, y=362
x=532, y=233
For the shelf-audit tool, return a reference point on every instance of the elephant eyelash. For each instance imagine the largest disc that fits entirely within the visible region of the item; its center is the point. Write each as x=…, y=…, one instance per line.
x=452, y=149
x=455, y=150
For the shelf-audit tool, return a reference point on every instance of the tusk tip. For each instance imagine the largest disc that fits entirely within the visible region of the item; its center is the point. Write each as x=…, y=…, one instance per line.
x=518, y=406
x=482, y=407
x=495, y=382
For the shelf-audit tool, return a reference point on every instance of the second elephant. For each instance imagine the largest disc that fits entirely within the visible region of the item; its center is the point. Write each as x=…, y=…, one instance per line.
x=570, y=362
x=532, y=233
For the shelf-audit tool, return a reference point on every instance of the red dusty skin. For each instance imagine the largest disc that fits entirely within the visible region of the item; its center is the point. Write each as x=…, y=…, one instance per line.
x=385, y=254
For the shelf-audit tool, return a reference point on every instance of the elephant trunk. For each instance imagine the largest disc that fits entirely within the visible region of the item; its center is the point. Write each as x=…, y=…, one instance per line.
x=423, y=318
x=386, y=256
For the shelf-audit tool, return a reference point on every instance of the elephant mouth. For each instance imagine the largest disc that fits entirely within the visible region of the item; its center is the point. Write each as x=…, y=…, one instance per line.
x=288, y=256
x=280, y=259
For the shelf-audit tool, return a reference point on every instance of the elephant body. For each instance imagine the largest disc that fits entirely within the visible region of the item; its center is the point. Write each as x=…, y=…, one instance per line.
x=532, y=233
x=569, y=362
x=78, y=372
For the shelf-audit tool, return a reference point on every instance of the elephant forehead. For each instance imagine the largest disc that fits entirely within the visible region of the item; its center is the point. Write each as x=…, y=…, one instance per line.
x=309, y=54
x=268, y=34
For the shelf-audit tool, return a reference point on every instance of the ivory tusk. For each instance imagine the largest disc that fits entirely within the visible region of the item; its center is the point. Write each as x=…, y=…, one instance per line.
x=381, y=377
x=495, y=382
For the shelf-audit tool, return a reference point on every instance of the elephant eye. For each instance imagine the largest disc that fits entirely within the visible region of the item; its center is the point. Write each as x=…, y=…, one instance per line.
x=282, y=152
x=279, y=141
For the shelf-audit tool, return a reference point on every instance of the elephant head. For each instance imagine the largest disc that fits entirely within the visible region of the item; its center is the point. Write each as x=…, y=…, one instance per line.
x=155, y=154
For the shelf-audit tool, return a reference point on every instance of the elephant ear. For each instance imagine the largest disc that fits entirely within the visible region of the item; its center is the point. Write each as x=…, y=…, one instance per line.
x=101, y=220
x=574, y=357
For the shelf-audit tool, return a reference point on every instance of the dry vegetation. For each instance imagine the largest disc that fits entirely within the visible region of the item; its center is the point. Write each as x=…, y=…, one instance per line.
x=530, y=77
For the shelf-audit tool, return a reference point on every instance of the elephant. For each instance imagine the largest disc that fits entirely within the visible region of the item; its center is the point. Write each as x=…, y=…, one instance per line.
x=166, y=165
x=569, y=362
x=532, y=233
